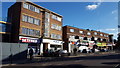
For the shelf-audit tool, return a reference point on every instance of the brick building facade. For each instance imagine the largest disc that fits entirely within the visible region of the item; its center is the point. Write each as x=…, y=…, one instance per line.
x=31, y=21
x=71, y=36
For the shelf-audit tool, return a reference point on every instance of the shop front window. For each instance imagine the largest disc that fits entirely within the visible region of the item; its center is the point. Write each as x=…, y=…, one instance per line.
x=2, y=28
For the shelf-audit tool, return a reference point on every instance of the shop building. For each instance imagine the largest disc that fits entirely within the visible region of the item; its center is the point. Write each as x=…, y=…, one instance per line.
x=5, y=31
x=52, y=31
x=31, y=21
x=73, y=36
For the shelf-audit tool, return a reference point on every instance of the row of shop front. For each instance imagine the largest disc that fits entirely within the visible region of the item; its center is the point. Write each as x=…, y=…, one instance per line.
x=90, y=44
x=46, y=43
x=57, y=45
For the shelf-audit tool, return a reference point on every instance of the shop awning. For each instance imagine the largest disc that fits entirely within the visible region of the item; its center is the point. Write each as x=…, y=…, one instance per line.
x=101, y=44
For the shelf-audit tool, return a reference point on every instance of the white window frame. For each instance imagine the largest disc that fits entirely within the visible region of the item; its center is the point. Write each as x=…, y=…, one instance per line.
x=81, y=32
x=101, y=34
x=24, y=18
x=95, y=38
x=59, y=19
x=89, y=39
x=88, y=33
x=81, y=38
x=101, y=39
x=71, y=30
x=95, y=33
x=37, y=10
x=25, y=5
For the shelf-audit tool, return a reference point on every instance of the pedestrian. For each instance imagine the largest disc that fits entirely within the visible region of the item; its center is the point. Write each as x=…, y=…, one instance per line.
x=31, y=53
x=93, y=50
x=75, y=50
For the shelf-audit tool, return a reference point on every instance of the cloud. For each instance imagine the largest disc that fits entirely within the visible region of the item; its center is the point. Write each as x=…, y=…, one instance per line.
x=108, y=29
x=112, y=29
x=115, y=35
x=94, y=6
x=114, y=11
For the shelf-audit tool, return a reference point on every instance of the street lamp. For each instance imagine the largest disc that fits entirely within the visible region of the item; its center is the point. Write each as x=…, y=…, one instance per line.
x=39, y=41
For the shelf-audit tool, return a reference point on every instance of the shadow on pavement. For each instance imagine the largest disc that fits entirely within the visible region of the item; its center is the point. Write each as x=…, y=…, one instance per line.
x=109, y=63
x=59, y=66
x=57, y=59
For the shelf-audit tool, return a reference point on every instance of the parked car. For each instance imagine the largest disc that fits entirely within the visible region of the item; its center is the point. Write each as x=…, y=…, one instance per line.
x=63, y=53
x=49, y=53
x=84, y=49
x=96, y=50
x=58, y=53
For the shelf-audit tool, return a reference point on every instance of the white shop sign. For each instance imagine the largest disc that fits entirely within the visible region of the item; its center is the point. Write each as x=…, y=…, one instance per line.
x=54, y=42
x=28, y=39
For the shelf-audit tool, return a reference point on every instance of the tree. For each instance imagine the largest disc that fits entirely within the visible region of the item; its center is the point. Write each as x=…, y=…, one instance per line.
x=117, y=46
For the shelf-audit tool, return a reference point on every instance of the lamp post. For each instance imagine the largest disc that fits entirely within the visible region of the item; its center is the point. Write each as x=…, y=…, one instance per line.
x=39, y=41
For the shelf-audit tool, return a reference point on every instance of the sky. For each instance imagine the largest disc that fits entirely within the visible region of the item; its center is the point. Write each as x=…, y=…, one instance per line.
x=99, y=16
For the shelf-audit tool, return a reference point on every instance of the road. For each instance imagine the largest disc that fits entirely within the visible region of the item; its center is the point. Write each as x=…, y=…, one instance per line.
x=94, y=61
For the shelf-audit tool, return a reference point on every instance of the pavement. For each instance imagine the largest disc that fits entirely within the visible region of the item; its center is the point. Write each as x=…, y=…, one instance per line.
x=39, y=59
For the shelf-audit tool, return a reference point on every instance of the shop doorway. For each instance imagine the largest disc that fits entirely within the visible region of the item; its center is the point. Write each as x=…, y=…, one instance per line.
x=45, y=46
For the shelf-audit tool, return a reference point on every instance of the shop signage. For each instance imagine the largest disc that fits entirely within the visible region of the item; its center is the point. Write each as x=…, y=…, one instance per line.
x=84, y=42
x=110, y=45
x=28, y=40
x=101, y=44
x=56, y=42
x=91, y=43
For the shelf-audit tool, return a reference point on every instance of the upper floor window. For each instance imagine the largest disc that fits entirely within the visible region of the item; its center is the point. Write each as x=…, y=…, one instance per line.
x=71, y=30
x=81, y=38
x=37, y=10
x=59, y=19
x=95, y=38
x=106, y=35
x=55, y=26
x=89, y=39
x=101, y=34
x=31, y=32
x=56, y=36
x=95, y=33
x=24, y=18
x=101, y=39
x=31, y=7
x=56, y=18
x=72, y=37
x=88, y=33
x=2, y=27
x=37, y=21
x=30, y=20
x=81, y=32
x=25, y=5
